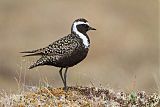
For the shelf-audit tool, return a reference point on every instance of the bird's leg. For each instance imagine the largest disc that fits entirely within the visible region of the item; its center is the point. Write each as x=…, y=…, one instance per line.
x=65, y=79
x=60, y=72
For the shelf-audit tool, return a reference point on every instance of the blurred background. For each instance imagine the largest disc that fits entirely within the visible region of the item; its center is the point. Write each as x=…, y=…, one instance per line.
x=124, y=48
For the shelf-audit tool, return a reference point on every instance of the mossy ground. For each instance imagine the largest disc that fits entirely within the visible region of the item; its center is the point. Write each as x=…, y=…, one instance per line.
x=78, y=96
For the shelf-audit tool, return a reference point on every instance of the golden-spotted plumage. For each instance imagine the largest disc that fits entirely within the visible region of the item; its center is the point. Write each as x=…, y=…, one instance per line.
x=61, y=52
x=67, y=51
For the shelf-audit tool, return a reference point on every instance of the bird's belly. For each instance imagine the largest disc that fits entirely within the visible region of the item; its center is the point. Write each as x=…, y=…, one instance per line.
x=73, y=59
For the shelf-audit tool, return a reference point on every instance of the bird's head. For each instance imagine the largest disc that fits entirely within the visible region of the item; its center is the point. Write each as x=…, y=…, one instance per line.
x=81, y=25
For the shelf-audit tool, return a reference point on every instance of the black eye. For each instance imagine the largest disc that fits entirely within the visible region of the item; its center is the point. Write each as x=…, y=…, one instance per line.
x=86, y=26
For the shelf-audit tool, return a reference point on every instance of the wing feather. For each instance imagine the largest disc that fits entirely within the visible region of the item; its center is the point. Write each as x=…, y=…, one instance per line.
x=62, y=46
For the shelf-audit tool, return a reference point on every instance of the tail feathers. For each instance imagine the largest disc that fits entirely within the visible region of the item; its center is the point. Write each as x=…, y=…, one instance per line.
x=32, y=53
x=32, y=66
x=41, y=61
x=26, y=52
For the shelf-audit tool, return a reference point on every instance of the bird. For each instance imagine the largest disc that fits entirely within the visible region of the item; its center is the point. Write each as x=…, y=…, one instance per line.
x=66, y=51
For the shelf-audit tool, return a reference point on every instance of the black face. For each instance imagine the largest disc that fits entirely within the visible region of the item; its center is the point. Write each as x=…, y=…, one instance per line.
x=83, y=28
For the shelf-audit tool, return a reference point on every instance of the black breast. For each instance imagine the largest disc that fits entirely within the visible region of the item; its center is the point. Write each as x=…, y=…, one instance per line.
x=76, y=57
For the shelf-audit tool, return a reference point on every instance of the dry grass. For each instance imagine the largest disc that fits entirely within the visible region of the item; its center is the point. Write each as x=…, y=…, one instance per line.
x=46, y=95
x=77, y=96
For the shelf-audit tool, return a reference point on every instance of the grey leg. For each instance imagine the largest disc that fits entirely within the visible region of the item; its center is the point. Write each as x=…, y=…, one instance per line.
x=60, y=72
x=65, y=79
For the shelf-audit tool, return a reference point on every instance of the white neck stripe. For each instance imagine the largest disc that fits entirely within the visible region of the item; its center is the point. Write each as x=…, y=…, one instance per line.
x=83, y=37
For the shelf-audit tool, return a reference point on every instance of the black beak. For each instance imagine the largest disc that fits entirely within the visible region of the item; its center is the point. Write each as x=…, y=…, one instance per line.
x=91, y=28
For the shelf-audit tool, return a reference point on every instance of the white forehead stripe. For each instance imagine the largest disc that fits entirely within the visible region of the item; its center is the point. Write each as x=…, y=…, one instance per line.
x=79, y=22
x=83, y=37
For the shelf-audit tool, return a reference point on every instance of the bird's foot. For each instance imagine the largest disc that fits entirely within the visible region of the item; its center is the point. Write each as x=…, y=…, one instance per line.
x=65, y=89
